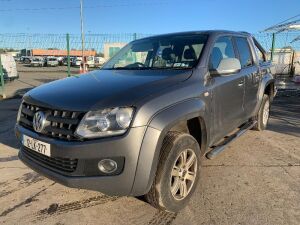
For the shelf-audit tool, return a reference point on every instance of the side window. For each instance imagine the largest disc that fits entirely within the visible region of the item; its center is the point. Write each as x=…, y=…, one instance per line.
x=260, y=55
x=223, y=48
x=244, y=52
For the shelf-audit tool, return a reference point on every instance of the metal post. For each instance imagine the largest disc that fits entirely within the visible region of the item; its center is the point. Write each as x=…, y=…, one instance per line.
x=292, y=67
x=68, y=54
x=82, y=30
x=1, y=79
x=273, y=46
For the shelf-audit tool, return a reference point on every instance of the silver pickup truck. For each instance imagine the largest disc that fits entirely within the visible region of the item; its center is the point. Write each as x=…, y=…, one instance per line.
x=140, y=125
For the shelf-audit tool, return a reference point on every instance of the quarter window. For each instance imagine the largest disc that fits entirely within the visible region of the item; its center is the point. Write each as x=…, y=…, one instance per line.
x=244, y=52
x=223, y=48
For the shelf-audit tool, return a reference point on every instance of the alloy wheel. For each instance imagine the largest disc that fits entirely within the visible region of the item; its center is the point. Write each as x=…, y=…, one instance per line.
x=183, y=174
x=266, y=113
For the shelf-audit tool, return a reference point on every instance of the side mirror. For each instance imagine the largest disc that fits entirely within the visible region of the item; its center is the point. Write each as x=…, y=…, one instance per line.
x=227, y=66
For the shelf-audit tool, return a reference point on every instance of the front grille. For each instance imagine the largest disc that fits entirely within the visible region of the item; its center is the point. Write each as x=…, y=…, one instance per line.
x=62, y=123
x=58, y=164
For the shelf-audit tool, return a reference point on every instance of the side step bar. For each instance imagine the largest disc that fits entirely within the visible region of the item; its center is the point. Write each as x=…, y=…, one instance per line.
x=220, y=148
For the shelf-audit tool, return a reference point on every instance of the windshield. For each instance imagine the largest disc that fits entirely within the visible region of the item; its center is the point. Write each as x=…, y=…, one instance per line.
x=164, y=52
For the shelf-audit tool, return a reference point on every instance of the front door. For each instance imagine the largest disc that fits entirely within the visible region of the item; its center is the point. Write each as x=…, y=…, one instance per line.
x=228, y=91
x=228, y=103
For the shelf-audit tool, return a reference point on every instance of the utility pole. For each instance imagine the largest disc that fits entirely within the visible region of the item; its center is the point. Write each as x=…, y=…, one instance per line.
x=68, y=54
x=82, y=34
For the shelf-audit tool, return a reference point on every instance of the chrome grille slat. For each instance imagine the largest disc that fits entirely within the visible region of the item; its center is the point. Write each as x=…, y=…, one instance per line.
x=27, y=111
x=62, y=123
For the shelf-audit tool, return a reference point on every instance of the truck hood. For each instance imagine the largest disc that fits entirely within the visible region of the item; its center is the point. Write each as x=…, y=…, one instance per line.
x=103, y=89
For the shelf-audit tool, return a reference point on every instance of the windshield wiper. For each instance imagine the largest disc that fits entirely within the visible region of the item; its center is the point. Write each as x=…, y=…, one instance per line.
x=170, y=68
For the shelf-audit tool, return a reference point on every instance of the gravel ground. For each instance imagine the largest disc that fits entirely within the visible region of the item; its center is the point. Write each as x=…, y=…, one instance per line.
x=255, y=181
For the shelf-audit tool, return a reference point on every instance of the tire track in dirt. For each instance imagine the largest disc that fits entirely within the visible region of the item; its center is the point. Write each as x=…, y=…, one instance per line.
x=29, y=178
x=56, y=209
x=25, y=202
x=24, y=181
x=9, y=158
x=162, y=218
x=13, y=167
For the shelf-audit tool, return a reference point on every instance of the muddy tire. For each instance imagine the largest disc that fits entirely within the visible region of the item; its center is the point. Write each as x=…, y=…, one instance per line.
x=177, y=173
x=263, y=114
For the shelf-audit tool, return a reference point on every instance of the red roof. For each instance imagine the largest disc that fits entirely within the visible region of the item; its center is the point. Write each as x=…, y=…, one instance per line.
x=46, y=52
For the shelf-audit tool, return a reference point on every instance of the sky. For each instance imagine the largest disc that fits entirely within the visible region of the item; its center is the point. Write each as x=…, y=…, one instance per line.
x=142, y=16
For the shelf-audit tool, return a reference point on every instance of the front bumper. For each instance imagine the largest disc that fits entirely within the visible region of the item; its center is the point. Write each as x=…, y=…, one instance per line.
x=126, y=147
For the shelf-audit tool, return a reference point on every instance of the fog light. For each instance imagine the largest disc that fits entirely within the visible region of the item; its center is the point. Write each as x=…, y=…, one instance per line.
x=107, y=166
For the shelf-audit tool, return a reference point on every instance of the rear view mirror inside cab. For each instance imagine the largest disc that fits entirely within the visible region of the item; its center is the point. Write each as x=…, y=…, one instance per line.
x=227, y=66
x=142, y=47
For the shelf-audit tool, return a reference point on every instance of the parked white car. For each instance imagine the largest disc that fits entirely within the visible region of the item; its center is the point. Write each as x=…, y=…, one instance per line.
x=77, y=61
x=9, y=67
x=38, y=61
x=60, y=60
x=99, y=61
x=52, y=61
x=90, y=61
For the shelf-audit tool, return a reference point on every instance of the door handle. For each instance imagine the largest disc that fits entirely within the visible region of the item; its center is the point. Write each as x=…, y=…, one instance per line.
x=241, y=83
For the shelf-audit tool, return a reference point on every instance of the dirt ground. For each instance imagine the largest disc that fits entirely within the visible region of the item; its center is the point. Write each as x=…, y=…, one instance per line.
x=255, y=181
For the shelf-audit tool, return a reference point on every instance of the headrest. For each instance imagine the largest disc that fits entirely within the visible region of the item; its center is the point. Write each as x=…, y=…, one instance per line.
x=216, y=52
x=190, y=54
x=228, y=51
x=168, y=54
x=216, y=58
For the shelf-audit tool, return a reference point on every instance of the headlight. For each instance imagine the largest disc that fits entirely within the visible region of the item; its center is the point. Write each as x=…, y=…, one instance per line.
x=107, y=122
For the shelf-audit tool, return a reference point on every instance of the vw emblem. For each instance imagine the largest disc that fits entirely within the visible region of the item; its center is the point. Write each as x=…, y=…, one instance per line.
x=39, y=121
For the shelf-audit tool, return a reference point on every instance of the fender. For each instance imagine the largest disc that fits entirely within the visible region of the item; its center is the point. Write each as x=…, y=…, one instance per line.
x=266, y=80
x=157, y=128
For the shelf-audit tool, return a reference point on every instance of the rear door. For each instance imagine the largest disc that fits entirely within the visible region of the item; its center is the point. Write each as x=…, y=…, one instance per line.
x=228, y=91
x=250, y=69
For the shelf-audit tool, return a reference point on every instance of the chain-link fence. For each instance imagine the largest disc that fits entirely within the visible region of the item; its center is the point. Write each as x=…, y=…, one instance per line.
x=285, y=51
x=97, y=41
x=282, y=40
x=58, y=41
x=286, y=45
x=286, y=48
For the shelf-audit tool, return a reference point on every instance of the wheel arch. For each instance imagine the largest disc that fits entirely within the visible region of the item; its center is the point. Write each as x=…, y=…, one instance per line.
x=190, y=113
x=267, y=86
x=270, y=90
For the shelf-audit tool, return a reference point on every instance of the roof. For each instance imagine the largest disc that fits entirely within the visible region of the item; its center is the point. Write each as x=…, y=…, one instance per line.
x=201, y=32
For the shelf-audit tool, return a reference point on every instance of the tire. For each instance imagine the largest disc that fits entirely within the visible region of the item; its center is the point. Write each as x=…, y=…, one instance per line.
x=262, y=117
x=160, y=195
